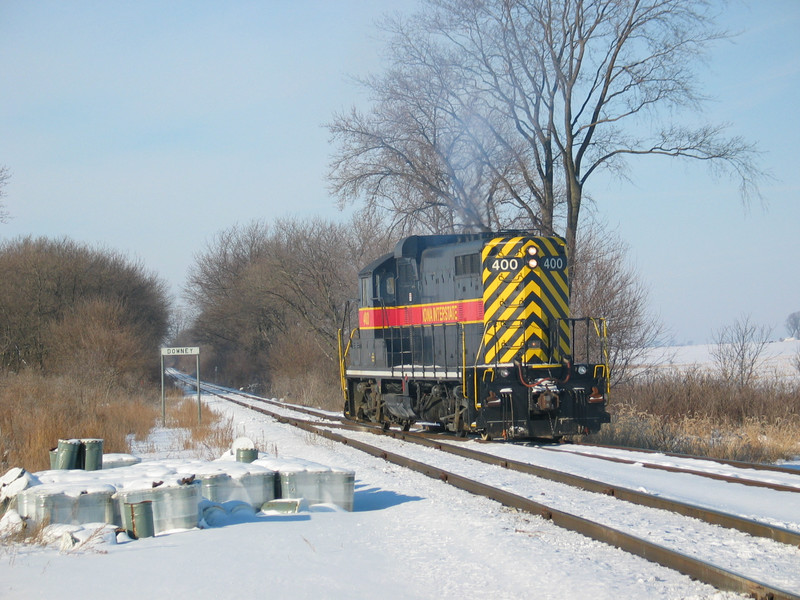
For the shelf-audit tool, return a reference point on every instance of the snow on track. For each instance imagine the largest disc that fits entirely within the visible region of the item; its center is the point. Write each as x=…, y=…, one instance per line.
x=776, y=508
x=754, y=557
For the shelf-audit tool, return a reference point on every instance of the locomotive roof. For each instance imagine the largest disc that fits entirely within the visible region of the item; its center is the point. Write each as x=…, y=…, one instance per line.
x=413, y=246
x=375, y=264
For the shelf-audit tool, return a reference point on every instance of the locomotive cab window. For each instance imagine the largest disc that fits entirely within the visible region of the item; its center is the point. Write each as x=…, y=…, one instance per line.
x=366, y=291
x=388, y=291
x=407, y=280
x=468, y=264
x=384, y=287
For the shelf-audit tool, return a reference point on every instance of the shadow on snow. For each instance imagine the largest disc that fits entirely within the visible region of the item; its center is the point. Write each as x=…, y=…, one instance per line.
x=372, y=498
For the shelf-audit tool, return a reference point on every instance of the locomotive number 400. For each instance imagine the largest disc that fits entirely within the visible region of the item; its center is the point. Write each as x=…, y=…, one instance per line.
x=506, y=264
x=554, y=263
x=551, y=263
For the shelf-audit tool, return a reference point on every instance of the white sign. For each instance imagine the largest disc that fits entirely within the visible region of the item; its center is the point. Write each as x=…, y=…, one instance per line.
x=185, y=351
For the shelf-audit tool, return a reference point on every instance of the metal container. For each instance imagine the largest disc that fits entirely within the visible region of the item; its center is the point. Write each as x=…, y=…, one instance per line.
x=93, y=454
x=246, y=455
x=67, y=454
x=255, y=488
x=137, y=519
x=317, y=484
x=71, y=505
x=173, y=507
x=217, y=487
x=337, y=486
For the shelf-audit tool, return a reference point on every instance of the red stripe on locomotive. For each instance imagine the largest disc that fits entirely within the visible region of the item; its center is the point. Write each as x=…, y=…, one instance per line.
x=462, y=311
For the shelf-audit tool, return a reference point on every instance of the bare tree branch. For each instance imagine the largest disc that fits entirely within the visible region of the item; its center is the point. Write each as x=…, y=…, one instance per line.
x=4, y=177
x=499, y=111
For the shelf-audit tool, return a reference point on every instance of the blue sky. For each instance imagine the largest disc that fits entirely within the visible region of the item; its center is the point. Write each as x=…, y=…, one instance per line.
x=147, y=127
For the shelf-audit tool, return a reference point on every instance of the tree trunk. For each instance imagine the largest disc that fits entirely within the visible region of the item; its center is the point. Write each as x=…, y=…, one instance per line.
x=574, y=196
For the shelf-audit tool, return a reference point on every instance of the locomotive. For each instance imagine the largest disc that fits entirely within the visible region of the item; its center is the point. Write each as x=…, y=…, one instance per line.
x=472, y=333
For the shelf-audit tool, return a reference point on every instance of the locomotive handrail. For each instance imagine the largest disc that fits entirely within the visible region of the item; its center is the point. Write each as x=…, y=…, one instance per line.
x=342, y=374
x=475, y=366
x=603, y=349
x=603, y=336
x=463, y=359
x=342, y=360
x=408, y=345
x=385, y=321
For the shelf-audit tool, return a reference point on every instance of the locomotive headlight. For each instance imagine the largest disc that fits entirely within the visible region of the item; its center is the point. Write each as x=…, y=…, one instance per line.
x=582, y=369
x=532, y=250
x=504, y=373
x=532, y=263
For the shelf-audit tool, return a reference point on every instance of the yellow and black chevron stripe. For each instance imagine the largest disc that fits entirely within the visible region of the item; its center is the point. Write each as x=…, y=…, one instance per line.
x=522, y=304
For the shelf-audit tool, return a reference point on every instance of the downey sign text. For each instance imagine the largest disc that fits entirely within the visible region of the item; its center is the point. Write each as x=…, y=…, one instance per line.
x=184, y=351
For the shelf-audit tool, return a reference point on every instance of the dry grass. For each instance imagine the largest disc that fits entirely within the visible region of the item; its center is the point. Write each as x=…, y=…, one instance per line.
x=301, y=372
x=209, y=437
x=317, y=389
x=697, y=413
x=23, y=532
x=39, y=410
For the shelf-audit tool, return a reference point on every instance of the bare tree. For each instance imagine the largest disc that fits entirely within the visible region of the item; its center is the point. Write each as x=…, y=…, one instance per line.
x=738, y=350
x=534, y=97
x=49, y=282
x=95, y=343
x=258, y=289
x=603, y=283
x=413, y=156
x=793, y=324
x=4, y=177
x=231, y=321
x=310, y=271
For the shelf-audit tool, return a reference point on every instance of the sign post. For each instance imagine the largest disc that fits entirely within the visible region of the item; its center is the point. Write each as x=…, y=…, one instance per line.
x=181, y=351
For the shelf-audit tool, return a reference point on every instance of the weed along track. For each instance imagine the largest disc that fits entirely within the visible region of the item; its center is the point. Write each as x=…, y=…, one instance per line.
x=720, y=548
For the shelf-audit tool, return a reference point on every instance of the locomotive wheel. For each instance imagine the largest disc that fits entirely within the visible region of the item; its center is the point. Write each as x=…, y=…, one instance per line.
x=459, y=426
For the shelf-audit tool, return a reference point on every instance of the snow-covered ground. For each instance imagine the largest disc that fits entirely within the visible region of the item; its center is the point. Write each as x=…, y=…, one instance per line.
x=408, y=537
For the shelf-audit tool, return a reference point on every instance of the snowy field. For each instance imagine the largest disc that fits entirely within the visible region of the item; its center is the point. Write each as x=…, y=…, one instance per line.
x=408, y=537
x=779, y=359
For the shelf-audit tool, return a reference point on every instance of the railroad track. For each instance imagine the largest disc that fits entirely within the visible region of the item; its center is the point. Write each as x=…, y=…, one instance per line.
x=789, y=478
x=398, y=448
x=793, y=474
